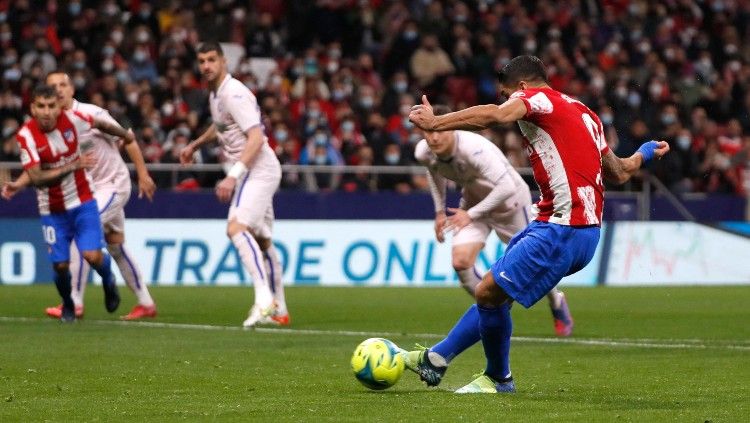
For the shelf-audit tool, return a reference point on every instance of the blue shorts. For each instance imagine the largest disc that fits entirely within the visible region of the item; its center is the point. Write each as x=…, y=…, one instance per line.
x=538, y=257
x=81, y=224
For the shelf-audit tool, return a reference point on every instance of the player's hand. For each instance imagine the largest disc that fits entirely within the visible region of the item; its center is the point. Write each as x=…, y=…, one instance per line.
x=661, y=149
x=87, y=161
x=458, y=220
x=146, y=186
x=422, y=115
x=186, y=155
x=440, y=222
x=225, y=188
x=10, y=189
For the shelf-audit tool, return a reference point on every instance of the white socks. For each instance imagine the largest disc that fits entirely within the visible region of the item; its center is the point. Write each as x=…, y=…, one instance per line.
x=130, y=273
x=274, y=272
x=79, y=271
x=553, y=297
x=469, y=279
x=252, y=259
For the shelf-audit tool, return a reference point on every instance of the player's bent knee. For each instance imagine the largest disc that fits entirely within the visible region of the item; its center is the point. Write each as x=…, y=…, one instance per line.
x=462, y=262
x=488, y=293
x=234, y=228
x=61, y=267
x=114, y=237
x=263, y=243
x=93, y=257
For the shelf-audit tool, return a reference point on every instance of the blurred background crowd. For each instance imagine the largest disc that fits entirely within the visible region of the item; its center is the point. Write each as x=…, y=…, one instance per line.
x=335, y=78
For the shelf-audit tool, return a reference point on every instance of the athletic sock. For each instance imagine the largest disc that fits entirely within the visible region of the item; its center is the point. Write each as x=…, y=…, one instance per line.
x=62, y=283
x=469, y=278
x=463, y=335
x=131, y=273
x=79, y=271
x=554, y=298
x=252, y=259
x=274, y=272
x=105, y=270
x=496, y=326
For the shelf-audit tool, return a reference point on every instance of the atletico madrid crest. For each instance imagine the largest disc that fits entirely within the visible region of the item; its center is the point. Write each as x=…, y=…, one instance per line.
x=68, y=135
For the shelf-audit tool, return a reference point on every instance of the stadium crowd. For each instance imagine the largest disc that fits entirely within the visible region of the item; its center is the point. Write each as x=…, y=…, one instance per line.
x=336, y=78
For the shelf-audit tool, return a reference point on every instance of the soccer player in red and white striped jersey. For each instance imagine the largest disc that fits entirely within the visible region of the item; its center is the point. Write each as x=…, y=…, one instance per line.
x=569, y=157
x=50, y=154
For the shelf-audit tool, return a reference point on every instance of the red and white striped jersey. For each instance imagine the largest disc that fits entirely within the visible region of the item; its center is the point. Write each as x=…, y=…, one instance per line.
x=55, y=149
x=565, y=142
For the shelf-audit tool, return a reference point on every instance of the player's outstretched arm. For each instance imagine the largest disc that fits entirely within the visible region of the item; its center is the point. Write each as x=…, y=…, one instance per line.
x=11, y=188
x=472, y=119
x=113, y=128
x=146, y=185
x=186, y=154
x=619, y=170
x=45, y=177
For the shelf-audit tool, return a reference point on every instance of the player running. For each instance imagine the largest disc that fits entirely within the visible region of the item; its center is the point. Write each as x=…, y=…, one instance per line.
x=493, y=197
x=50, y=154
x=569, y=156
x=250, y=183
x=112, y=191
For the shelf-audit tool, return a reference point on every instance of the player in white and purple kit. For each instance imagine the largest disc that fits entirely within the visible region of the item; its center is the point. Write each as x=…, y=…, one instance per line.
x=494, y=197
x=569, y=157
x=112, y=187
x=250, y=183
x=50, y=154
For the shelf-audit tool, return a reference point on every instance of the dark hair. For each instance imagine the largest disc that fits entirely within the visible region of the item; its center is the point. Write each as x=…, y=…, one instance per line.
x=440, y=109
x=44, y=91
x=210, y=46
x=57, y=72
x=523, y=68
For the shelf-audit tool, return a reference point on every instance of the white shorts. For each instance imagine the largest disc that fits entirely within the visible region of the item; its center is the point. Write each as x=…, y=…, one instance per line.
x=111, y=202
x=252, y=205
x=505, y=226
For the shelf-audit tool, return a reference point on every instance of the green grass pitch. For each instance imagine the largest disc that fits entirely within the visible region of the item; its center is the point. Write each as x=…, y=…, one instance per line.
x=638, y=354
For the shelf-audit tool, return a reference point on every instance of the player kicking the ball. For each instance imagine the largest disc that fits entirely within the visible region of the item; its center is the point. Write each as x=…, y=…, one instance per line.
x=112, y=187
x=250, y=183
x=493, y=197
x=569, y=156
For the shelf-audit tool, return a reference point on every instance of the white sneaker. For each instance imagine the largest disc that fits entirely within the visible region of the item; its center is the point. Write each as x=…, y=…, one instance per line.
x=260, y=316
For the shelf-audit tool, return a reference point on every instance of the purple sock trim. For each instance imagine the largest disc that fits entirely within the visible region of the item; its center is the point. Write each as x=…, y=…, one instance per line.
x=80, y=271
x=272, y=283
x=476, y=273
x=132, y=268
x=255, y=254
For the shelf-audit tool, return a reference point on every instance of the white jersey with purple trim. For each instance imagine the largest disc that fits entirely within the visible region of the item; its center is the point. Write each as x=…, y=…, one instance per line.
x=490, y=185
x=110, y=172
x=234, y=110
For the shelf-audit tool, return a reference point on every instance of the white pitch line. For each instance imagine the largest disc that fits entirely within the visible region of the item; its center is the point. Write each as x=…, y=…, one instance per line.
x=696, y=344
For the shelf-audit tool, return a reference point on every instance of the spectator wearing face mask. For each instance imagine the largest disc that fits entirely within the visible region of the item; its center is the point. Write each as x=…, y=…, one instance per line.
x=141, y=65
x=39, y=55
x=391, y=99
x=400, y=183
x=679, y=172
x=319, y=150
x=430, y=64
x=351, y=140
x=360, y=180
x=399, y=125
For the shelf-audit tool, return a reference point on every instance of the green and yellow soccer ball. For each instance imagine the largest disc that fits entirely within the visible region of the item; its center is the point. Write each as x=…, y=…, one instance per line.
x=377, y=363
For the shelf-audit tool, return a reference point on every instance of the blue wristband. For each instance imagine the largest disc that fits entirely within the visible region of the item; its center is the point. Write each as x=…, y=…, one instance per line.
x=647, y=150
